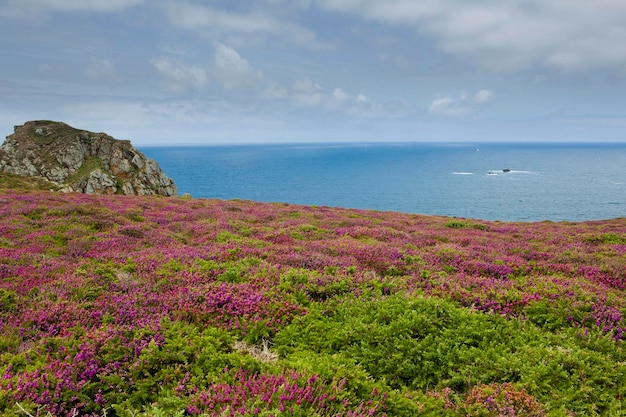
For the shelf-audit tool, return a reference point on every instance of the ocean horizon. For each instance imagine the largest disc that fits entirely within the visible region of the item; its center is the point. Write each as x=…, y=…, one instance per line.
x=489, y=181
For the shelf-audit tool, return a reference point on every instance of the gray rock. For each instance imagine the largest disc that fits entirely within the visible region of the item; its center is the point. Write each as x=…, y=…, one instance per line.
x=100, y=182
x=82, y=161
x=138, y=162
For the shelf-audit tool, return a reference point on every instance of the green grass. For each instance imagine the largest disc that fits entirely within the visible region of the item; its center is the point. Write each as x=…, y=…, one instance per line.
x=24, y=183
x=90, y=164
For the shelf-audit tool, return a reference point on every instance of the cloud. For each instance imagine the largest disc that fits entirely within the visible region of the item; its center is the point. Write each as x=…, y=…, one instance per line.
x=25, y=7
x=462, y=105
x=362, y=99
x=228, y=71
x=305, y=92
x=483, y=96
x=179, y=77
x=446, y=105
x=340, y=95
x=206, y=19
x=232, y=76
x=297, y=5
x=193, y=17
x=310, y=94
x=564, y=35
x=234, y=72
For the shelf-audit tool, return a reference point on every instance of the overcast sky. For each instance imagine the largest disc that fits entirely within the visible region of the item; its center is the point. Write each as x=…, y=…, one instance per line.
x=210, y=71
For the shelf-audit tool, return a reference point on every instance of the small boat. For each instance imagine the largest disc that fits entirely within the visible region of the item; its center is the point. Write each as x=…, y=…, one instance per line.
x=506, y=170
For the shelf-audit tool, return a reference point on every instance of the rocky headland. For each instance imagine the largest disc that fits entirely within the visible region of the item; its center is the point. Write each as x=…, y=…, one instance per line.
x=75, y=160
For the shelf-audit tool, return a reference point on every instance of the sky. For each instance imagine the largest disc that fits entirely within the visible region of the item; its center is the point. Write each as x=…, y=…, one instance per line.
x=175, y=72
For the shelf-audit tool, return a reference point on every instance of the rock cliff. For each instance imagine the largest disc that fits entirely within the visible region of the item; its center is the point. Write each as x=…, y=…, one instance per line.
x=81, y=161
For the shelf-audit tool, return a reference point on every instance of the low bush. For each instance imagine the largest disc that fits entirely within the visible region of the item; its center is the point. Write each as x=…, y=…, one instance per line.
x=146, y=306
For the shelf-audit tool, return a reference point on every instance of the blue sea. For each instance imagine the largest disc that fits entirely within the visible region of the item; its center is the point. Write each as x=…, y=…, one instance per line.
x=508, y=182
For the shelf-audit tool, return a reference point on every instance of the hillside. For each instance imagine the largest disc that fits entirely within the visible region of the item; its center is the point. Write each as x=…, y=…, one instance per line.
x=70, y=159
x=146, y=306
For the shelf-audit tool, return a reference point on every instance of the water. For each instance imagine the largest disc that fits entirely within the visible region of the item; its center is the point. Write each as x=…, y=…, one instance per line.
x=545, y=182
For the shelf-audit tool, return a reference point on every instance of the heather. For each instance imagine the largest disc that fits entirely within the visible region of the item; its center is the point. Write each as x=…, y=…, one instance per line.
x=153, y=306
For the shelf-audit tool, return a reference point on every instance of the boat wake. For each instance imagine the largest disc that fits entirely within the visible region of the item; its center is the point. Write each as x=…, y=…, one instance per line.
x=507, y=171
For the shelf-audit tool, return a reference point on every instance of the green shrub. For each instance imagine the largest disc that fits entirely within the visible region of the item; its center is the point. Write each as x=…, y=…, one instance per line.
x=8, y=300
x=606, y=238
x=458, y=224
x=424, y=343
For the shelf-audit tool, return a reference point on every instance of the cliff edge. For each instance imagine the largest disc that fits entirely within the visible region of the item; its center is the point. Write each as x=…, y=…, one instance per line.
x=81, y=161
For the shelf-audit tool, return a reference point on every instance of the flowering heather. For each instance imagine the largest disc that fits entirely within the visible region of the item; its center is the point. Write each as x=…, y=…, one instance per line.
x=118, y=306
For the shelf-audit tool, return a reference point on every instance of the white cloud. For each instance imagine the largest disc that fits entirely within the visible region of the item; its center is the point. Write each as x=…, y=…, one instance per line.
x=305, y=85
x=446, y=105
x=24, y=7
x=310, y=94
x=191, y=16
x=206, y=19
x=178, y=77
x=462, y=105
x=228, y=71
x=566, y=35
x=234, y=72
x=230, y=75
x=297, y=5
x=307, y=93
x=483, y=96
x=362, y=99
x=340, y=95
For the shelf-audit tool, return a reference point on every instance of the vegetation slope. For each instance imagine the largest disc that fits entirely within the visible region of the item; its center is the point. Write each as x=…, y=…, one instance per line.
x=152, y=306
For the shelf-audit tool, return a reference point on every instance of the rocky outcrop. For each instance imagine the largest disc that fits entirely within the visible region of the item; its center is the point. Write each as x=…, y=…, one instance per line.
x=82, y=161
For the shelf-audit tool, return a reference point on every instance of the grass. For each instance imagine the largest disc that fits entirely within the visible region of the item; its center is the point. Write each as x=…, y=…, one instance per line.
x=19, y=182
x=90, y=164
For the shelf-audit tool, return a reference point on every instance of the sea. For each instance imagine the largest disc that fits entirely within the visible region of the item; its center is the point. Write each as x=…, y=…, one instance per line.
x=489, y=181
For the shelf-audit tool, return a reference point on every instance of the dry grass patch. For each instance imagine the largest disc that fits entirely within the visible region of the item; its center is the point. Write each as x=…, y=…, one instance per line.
x=262, y=353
